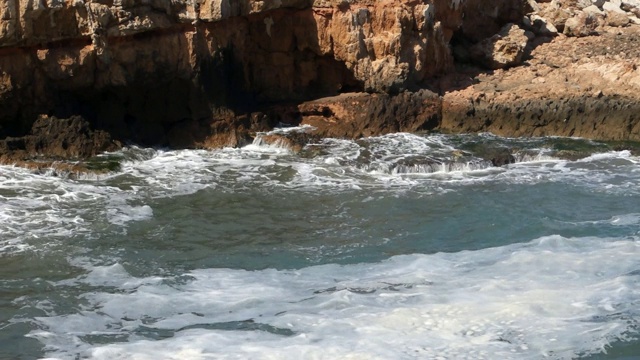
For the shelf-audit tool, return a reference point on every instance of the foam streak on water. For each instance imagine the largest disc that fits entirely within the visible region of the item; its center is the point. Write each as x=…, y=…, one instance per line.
x=553, y=297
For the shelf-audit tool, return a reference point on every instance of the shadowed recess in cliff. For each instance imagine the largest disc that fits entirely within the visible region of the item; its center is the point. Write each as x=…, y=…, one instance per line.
x=181, y=88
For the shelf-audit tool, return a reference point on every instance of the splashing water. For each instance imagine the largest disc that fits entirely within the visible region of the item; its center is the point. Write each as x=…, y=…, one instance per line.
x=401, y=246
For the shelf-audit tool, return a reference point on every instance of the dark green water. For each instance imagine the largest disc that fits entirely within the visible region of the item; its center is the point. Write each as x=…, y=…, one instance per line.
x=398, y=247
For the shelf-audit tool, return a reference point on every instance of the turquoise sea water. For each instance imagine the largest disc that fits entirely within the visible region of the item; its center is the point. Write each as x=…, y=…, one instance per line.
x=396, y=247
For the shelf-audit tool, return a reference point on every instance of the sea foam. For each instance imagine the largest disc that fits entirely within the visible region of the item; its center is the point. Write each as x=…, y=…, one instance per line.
x=553, y=297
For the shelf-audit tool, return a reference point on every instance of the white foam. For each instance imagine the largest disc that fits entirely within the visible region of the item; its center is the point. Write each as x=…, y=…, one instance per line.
x=554, y=297
x=540, y=156
x=37, y=206
x=127, y=213
x=624, y=154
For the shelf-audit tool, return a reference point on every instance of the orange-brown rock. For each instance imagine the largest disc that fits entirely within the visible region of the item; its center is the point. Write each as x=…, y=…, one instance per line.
x=190, y=73
x=361, y=114
x=212, y=73
x=587, y=87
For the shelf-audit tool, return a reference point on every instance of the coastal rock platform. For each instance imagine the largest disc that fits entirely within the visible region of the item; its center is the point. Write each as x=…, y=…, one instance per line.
x=213, y=73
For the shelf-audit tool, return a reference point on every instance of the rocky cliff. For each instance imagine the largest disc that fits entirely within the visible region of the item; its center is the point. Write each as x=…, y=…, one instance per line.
x=202, y=73
x=580, y=78
x=208, y=73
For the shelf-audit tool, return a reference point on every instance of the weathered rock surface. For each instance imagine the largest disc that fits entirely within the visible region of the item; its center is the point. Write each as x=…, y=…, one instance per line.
x=587, y=87
x=360, y=114
x=213, y=73
x=502, y=50
x=70, y=138
x=154, y=72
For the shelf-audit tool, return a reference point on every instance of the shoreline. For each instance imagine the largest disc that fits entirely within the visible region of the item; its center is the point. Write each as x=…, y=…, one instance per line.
x=182, y=79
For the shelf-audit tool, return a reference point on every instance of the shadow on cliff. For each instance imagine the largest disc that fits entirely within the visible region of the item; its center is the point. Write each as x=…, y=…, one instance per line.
x=212, y=84
x=467, y=71
x=243, y=72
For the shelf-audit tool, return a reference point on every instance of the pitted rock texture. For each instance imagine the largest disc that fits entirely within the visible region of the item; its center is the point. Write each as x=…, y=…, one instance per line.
x=211, y=73
x=154, y=71
x=70, y=138
x=587, y=87
x=361, y=115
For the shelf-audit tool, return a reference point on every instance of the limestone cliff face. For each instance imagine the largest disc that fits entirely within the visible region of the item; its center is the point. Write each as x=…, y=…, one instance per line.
x=183, y=72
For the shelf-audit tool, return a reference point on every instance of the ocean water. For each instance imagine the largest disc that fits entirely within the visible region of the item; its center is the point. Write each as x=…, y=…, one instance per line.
x=396, y=247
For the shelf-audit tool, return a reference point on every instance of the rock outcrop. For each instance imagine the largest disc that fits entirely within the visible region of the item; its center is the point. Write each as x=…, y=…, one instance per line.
x=360, y=115
x=192, y=73
x=504, y=49
x=572, y=86
x=212, y=73
x=53, y=139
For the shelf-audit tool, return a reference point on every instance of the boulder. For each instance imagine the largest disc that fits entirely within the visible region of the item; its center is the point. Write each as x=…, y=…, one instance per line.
x=294, y=141
x=616, y=17
x=502, y=50
x=612, y=7
x=593, y=11
x=630, y=5
x=532, y=6
x=555, y=14
x=355, y=115
x=71, y=138
x=541, y=27
x=581, y=4
x=582, y=24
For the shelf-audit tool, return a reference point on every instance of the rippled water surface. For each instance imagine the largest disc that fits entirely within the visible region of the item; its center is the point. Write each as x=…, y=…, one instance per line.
x=396, y=247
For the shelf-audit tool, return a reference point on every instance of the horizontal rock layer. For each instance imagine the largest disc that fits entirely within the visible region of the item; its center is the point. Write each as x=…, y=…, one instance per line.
x=587, y=87
x=212, y=73
x=144, y=69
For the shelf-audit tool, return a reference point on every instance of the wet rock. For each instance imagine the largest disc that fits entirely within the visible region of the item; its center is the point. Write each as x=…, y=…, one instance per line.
x=498, y=156
x=183, y=73
x=59, y=147
x=358, y=115
x=502, y=158
x=293, y=141
x=633, y=148
x=71, y=138
x=571, y=155
x=207, y=73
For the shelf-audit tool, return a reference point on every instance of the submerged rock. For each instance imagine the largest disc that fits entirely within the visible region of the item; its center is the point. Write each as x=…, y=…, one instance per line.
x=294, y=141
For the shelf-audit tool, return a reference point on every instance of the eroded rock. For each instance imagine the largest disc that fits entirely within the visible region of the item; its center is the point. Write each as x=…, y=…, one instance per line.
x=583, y=24
x=211, y=73
x=152, y=71
x=503, y=49
x=360, y=114
x=71, y=138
